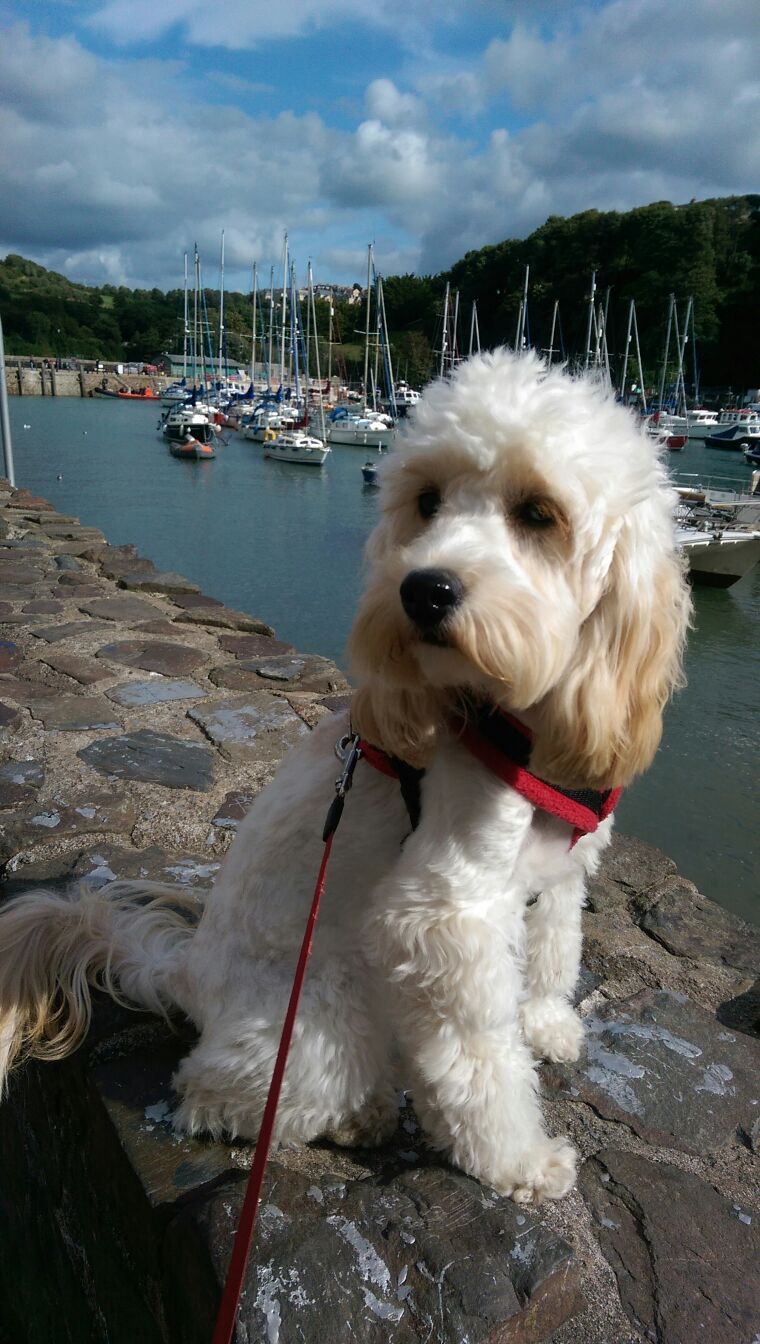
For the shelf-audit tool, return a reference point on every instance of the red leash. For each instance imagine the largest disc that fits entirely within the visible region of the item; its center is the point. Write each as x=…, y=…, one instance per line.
x=228, y=1309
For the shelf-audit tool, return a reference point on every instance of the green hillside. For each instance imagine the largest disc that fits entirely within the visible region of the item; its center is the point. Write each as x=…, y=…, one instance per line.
x=707, y=249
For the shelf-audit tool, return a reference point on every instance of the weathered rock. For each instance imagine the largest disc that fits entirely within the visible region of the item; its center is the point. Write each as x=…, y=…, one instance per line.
x=226, y=618
x=21, y=574
x=43, y=606
x=74, y=713
x=189, y=601
x=10, y=655
x=422, y=1255
x=166, y=629
x=160, y=582
x=633, y=864
x=9, y=717
x=308, y=673
x=73, y=532
x=254, y=646
x=68, y=564
x=25, y=692
x=5, y=610
x=70, y=630
x=127, y=609
x=233, y=808
x=20, y=782
x=337, y=704
x=106, y=862
x=76, y=580
x=134, y=694
x=84, y=670
x=689, y=925
x=153, y=757
x=685, y=1259
x=666, y=1068
x=254, y=727
x=85, y=815
x=16, y=592
x=171, y=660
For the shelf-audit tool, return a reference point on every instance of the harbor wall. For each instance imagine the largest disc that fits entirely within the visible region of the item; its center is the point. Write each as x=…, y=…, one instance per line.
x=47, y=381
x=139, y=717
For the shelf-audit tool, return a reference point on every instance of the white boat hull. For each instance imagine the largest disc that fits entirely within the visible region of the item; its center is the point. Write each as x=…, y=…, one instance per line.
x=360, y=438
x=720, y=559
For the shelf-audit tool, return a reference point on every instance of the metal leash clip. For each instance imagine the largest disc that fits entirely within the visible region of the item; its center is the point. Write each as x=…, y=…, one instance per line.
x=348, y=751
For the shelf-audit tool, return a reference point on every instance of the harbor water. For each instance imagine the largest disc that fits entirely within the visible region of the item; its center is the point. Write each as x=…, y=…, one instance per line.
x=285, y=544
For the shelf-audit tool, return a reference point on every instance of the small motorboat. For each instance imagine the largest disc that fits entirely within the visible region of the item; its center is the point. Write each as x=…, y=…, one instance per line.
x=736, y=437
x=369, y=473
x=197, y=446
x=296, y=446
x=719, y=556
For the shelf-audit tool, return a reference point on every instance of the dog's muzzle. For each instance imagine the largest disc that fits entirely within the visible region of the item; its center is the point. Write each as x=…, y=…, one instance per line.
x=429, y=598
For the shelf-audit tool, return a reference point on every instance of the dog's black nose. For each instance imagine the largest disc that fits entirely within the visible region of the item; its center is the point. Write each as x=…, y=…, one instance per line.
x=429, y=596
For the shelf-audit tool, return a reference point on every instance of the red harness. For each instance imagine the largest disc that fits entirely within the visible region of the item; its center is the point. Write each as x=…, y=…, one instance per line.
x=503, y=745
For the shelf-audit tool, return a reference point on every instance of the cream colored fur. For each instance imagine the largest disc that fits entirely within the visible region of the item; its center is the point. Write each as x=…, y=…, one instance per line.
x=428, y=948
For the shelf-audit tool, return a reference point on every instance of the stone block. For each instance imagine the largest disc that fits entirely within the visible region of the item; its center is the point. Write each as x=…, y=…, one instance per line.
x=153, y=757
x=257, y=727
x=226, y=618
x=667, y=1069
x=151, y=655
x=690, y=925
x=75, y=713
x=127, y=609
x=84, y=670
x=157, y=691
x=254, y=646
x=685, y=1258
x=69, y=630
x=160, y=582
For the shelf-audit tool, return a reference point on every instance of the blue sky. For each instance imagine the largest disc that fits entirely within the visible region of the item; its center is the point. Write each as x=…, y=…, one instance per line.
x=130, y=128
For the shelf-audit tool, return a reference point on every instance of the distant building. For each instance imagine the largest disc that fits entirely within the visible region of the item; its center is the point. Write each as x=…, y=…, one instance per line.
x=173, y=367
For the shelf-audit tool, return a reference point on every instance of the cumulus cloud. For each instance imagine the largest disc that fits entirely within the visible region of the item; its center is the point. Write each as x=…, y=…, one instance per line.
x=112, y=167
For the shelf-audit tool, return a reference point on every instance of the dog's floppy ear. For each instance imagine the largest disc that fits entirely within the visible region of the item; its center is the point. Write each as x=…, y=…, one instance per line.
x=601, y=725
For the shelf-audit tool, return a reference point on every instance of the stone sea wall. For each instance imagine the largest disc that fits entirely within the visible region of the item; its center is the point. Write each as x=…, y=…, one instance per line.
x=138, y=718
x=47, y=381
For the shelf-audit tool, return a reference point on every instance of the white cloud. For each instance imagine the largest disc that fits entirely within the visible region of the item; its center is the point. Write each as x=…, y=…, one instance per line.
x=113, y=167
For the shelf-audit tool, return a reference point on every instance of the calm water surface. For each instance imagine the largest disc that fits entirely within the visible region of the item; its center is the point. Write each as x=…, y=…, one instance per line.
x=285, y=544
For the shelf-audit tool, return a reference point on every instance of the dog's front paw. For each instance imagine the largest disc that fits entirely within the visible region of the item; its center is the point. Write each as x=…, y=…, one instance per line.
x=552, y=1029
x=546, y=1170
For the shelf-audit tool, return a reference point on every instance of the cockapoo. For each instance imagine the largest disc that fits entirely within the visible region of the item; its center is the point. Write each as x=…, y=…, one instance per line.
x=523, y=584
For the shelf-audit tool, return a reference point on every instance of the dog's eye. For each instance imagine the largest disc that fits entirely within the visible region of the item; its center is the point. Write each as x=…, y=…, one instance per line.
x=536, y=513
x=429, y=503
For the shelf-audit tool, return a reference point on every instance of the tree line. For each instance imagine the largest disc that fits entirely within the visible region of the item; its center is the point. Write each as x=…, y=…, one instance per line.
x=709, y=250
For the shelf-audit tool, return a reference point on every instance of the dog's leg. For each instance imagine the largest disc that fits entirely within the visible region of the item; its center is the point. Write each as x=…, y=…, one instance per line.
x=337, y=1081
x=456, y=981
x=552, y=1027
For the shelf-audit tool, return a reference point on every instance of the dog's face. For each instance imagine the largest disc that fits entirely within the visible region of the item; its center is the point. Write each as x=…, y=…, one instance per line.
x=525, y=552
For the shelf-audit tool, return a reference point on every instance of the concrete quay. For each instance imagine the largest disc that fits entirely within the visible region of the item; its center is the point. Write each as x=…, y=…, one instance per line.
x=138, y=718
x=47, y=381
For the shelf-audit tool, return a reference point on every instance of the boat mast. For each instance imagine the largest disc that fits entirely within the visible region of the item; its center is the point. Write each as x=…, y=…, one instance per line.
x=383, y=330
x=445, y=336
x=555, y=312
x=366, y=331
x=313, y=312
x=591, y=317
x=474, y=330
x=271, y=327
x=640, y=365
x=671, y=307
x=687, y=325
x=253, y=326
x=624, y=373
x=522, y=316
x=220, y=360
x=185, y=329
x=284, y=293
x=197, y=278
x=329, y=345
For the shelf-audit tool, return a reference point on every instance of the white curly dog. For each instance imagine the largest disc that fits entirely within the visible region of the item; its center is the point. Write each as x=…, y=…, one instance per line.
x=524, y=562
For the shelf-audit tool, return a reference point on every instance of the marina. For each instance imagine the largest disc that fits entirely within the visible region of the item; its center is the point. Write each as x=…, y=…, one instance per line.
x=249, y=530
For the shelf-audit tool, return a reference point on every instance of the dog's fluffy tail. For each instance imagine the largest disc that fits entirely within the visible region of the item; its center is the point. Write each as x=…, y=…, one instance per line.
x=126, y=938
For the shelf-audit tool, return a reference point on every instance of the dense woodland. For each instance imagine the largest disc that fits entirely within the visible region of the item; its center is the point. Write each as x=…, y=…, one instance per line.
x=708, y=249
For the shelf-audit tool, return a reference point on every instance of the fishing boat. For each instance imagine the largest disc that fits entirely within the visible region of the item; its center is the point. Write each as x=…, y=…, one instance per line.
x=176, y=425
x=296, y=446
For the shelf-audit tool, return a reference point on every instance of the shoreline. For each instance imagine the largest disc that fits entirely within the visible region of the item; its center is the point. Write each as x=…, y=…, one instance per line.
x=139, y=717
